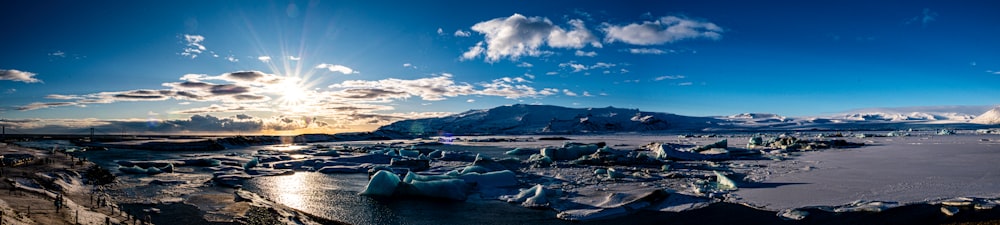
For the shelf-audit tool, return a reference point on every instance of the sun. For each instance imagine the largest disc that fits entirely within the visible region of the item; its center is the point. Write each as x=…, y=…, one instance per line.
x=294, y=95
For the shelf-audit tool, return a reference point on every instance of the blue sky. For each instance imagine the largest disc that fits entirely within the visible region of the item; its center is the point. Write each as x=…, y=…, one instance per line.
x=330, y=66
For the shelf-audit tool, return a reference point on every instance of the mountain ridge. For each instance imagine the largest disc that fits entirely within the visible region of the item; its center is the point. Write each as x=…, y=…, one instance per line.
x=522, y=119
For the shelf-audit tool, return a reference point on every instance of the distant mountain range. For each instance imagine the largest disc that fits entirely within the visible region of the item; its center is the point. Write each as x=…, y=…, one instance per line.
x=547, y=119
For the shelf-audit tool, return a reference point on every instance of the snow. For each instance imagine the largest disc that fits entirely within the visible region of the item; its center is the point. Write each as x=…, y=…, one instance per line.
x=899, y=169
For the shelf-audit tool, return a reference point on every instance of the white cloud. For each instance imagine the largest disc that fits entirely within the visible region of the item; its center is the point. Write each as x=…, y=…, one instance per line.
x=470, y=100
x=440, y=31
x=549, y=91
x=602, y=65
x=462, y=33
x=525, y=65
x=194, y=46
x=60, y=54
x=575, y=66
x=668, y=77
x=232, y=58
x=587, y=54
x=517, y=36
x=293, y=58
x=10, y=91
x=587, y=94
x=264, y=58
x=336, y=68
x=529, y=76
x=685, y=84
x=430, y=89
x=927, y=17
x=552, y=73
x=19, y=76
x=507, y=88
x=42, y=105
x=408, y=65
x=567, y=92
x=650, y=51
x=665, y=30
x=474, y=51
x=580, y=67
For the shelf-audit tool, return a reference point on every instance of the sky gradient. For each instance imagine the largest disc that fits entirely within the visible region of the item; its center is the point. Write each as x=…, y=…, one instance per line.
x=334, y=66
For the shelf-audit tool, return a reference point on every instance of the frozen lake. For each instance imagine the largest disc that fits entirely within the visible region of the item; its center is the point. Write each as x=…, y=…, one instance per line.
x=899, y=169
x=912, y=169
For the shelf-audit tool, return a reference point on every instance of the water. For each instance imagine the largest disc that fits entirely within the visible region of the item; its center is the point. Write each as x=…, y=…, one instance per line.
x=335, y=196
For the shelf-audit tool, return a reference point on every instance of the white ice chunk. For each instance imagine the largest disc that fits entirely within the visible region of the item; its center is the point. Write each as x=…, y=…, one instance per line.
x=455, y=189
x=792, y=214
x=591, y=214
x=383, y=183
x=251, y=164
x=504, y=178
x=409, y=153
x=949, y=210
x=534, y=197
x=725, y=184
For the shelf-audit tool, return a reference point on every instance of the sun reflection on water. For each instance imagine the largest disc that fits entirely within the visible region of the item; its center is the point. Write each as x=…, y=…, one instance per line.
x=290, y=189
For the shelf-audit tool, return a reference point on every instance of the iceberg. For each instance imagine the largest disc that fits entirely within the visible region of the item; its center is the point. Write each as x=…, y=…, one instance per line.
x=569, y=151
x=792, y=214
x=504, y=178
x=724, y=183
x=454, y=189
x=520, y=151
x=718, y=144
x=534, y=197
x=409, y=153
x=383, y=184
x=251, y=164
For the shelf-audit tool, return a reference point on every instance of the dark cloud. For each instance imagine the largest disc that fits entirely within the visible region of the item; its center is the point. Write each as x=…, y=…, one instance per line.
x=248, y=97
x=42, y=105
x=372, y=93
x=229, y=89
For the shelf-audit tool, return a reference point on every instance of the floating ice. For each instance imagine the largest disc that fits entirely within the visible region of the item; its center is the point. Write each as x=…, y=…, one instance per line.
x=409, y=153
x=383, y=183
x=251, y=164
x=949, y=210
x=724, y=183
x=865, y=206
x=520, y=151
x=569, y=151
x=534, y=197
x=718, y=144
x=454, y=189
x=615, y=204
x=792, y=214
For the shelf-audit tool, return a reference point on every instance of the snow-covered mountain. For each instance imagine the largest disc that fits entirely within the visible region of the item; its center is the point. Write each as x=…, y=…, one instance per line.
x=911, y=116
x=989, y=117
x=546, y=119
